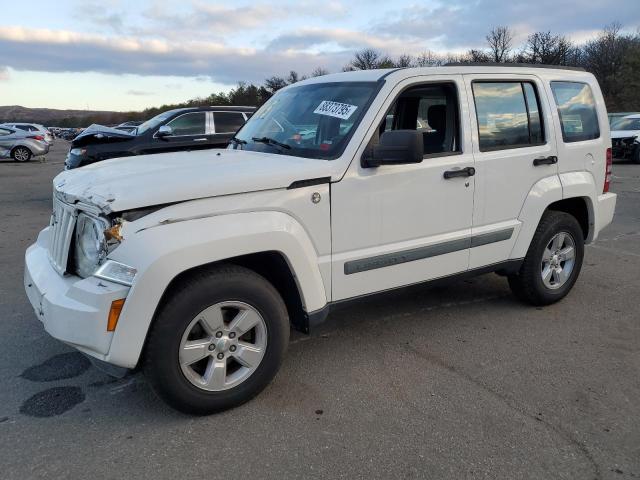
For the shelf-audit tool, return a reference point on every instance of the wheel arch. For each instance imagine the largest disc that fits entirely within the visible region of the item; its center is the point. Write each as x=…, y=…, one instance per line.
x=581, y=208
x=15, y=147
x=273, y=244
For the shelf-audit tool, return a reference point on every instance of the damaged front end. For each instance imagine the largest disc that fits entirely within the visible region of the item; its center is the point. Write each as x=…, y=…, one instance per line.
x=625, y=147
x=80, y=154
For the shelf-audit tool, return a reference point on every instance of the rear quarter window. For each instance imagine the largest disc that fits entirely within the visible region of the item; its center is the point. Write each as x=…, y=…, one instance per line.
x=577, y=111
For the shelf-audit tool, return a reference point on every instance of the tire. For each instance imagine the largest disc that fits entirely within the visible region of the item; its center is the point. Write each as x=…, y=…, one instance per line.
x=21, y=154
x=529, y=285
x=635, y=156
x=194, y=306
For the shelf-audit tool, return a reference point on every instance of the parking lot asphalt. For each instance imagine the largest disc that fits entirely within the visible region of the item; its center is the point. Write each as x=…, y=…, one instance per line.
x=456, y=381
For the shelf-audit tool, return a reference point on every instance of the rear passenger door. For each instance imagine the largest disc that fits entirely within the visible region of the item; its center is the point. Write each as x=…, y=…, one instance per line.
x=514, y=148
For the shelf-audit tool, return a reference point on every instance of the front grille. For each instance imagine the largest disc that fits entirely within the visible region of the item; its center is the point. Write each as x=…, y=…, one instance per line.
x=63, y=221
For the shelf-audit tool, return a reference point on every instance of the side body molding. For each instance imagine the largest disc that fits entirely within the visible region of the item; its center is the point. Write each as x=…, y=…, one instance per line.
x=163, y=252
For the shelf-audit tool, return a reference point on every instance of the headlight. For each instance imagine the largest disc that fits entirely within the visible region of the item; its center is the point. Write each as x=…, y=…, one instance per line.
x=78, y=151
x=90, y=246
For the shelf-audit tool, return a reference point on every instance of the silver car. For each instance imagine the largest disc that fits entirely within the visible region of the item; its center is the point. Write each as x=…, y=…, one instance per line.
x=33, y=128
x=21, y=145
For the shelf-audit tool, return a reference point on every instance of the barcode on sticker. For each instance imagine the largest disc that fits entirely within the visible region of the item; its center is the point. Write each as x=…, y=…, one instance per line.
x=335, y=109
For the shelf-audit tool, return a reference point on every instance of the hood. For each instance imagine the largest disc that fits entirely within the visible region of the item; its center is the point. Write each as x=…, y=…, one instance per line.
x=624, y=133
x=134, y=182
x=100, y=134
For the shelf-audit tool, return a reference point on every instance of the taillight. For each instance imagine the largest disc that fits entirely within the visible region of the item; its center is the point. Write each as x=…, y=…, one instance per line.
x=37, y=137
x=607, y=171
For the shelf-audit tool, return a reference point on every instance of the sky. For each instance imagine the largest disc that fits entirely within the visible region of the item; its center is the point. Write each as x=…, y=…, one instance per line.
x=128, y=55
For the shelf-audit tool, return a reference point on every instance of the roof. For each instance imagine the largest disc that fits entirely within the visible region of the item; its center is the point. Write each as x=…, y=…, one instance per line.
x=453, y=69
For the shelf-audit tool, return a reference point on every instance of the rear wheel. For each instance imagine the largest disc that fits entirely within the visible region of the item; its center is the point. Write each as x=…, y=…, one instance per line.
x=553, y=262
x=218, y=341
x=21, y=154
x=635, y=156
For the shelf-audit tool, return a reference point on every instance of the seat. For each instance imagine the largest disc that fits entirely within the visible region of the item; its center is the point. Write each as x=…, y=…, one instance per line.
x=437, y=118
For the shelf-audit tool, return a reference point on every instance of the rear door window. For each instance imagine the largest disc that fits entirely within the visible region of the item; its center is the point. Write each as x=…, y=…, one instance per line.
x=508, y=115
x=227, y=122
x=577, y=111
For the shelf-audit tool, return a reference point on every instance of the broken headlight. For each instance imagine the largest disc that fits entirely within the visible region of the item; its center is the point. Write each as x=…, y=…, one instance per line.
x=90, y=246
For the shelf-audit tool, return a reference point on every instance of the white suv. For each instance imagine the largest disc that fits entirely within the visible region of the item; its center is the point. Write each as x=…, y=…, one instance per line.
x=193, y=265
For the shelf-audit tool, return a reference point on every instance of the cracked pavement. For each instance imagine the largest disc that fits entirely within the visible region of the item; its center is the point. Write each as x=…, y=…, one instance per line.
x=449, y=381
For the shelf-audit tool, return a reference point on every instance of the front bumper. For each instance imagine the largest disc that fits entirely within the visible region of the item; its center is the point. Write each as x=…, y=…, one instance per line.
x=624, y=147
x=72, y=309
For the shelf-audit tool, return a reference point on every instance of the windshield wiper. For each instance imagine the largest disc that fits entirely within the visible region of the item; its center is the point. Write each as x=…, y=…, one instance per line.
x=237, y=141
x=271, y=141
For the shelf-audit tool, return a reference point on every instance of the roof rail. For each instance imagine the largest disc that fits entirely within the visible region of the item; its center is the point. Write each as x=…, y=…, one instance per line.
x=520, y=65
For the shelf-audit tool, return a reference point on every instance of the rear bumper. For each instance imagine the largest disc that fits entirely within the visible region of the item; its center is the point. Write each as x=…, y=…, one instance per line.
x=42, y=148
x=605, y=208
x=71, y=309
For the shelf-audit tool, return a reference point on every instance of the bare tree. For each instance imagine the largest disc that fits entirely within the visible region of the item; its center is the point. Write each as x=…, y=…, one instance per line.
x=273, y=84
x=428, y=59
x=404, y=61
x=500, y=41
x=606, y=57
x=546, y=48
x=475, y=56
x=369, y=59
x=319, y=72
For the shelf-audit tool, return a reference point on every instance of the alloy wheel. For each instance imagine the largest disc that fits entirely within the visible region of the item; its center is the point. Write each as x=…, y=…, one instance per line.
x=223, y=346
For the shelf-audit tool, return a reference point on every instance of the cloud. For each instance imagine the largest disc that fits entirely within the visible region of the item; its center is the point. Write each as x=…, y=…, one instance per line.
x=138, y=93
x=65, y=51
x=459, y=24
x=227, y=43
x=4, y=74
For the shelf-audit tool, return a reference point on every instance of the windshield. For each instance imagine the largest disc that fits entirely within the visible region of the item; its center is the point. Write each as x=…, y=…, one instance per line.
x=313, y=121
x=154, y=122
x=626, y=124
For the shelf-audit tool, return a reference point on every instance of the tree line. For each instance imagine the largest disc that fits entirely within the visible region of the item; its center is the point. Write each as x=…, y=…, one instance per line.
x=613, y=56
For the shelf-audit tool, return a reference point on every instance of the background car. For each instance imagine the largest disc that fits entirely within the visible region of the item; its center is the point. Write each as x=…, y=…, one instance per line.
x=33, y=128
x=625, y=133
x=616, y=116
x=174, y=130
x=129, y=127
x=21, y=145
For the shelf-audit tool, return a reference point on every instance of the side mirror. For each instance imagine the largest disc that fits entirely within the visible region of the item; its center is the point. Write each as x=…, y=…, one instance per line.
x=164, y=131
x=396, y=147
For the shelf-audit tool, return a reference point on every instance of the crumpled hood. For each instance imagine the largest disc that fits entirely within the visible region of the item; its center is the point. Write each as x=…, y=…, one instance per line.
x=134, y=182
x=100, y=134
x=624, y=133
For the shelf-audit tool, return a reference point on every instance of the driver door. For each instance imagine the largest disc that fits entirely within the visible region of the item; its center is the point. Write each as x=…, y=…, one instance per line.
x=396, y=225
x=191, y=131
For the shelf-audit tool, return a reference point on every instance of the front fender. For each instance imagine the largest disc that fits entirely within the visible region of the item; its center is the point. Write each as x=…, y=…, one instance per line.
x=162, y=252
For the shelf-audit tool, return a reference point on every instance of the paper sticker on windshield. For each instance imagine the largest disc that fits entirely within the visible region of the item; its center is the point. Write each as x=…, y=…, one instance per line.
x=335, y=109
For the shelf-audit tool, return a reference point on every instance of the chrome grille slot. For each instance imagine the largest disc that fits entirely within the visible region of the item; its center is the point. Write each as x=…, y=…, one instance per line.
x=63, y=221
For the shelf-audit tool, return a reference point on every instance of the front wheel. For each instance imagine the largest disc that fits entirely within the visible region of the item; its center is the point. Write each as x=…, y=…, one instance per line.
x=21, y=154
x=218, y=341
x=553, y=262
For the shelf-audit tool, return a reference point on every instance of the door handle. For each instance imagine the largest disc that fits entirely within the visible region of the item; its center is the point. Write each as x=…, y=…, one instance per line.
x=463, y=172
x=552, y=160
x=199, y=139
